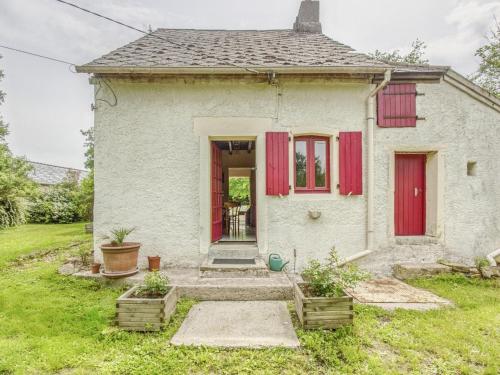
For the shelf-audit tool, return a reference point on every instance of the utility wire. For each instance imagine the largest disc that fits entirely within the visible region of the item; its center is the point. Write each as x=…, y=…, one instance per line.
x=70, y=65
x=37, y=55
x=147, y=33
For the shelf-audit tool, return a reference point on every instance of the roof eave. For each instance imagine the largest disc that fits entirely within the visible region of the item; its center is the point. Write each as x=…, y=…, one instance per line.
x=229, y=70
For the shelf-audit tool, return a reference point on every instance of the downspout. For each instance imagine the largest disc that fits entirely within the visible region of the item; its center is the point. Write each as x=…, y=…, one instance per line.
x=371, y=158
x=370, y=116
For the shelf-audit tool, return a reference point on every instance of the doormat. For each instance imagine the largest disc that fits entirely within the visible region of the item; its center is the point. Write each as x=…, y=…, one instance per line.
x=233, y=261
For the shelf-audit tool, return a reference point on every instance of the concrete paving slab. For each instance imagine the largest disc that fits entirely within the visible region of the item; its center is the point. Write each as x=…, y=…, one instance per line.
x=238, y=324
x=390, y=293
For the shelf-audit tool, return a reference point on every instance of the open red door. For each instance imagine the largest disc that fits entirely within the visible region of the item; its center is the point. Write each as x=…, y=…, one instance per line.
x=216, y=192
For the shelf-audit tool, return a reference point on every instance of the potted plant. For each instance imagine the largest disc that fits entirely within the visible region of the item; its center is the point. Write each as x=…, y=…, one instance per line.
x=321, y=301
x=154, y=263
x=120, y=258
x=96, y=267
x=147, y=307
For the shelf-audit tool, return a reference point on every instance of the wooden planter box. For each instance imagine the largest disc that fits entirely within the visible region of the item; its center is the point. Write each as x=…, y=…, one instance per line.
x=145, y=314
x=322, y=312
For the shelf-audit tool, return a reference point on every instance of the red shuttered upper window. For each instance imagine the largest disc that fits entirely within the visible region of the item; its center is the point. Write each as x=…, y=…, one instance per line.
x=396, y=105
x=312, y=164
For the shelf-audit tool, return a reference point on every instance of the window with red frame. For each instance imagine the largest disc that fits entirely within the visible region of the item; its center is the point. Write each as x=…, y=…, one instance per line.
x=312, y=164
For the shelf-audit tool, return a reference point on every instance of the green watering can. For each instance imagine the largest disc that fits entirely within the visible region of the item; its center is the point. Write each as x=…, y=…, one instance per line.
x=276, y=263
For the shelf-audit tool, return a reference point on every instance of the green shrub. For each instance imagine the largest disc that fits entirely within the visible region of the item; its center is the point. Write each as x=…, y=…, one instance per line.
x=118, y=235
x=84, y=252
x=331, y=279
x=15, y=185
x=155, y=285
x=481, y=262
x=58, y=204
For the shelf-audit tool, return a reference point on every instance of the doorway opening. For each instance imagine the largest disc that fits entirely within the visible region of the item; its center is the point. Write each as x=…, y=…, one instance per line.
x=233, y=191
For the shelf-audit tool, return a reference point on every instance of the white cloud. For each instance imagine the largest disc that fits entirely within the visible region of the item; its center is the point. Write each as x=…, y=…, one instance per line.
x=469, y=22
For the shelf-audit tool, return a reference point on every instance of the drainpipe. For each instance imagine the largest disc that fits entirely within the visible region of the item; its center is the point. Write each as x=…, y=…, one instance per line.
x=370, y=116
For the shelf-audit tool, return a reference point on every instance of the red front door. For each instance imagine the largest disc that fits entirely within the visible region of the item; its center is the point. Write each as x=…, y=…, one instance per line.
x=216, y=192
x=409, y=195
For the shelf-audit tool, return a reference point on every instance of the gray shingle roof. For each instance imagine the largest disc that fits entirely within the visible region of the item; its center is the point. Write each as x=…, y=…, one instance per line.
x=420, y=68
x=227, y=48
x=46, y=174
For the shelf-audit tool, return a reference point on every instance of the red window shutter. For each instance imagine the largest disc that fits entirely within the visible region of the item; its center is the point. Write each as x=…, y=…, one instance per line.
x=397, y=105
x=351, y=163
x=277, y=163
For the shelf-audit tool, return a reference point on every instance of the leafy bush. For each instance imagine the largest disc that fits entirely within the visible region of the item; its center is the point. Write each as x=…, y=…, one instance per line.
x=84, y=253
x=331, y=279
x=481, y=262
x=58, y=204
x=239, y=190
x=85, y=198
x=155, y=285
x=15, y=185
x=118, y=235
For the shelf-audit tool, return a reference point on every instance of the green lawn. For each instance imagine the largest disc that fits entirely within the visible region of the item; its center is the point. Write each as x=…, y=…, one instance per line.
x=51, y=323
x=26, y=239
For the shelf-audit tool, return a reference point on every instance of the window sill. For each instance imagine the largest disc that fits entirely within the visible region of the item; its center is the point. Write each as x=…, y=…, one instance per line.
x=312, y=192
x=313, y=196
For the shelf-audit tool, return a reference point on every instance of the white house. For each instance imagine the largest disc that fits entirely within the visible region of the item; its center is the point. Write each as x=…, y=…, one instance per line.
x=388, y=163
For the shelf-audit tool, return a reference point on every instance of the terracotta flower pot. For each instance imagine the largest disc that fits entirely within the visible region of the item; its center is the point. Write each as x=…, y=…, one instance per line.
x=154, y=263
x=96, y=267
x=120, y=260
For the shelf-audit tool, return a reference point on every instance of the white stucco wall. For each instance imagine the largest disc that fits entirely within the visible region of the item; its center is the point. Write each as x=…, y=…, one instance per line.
x=149, y=160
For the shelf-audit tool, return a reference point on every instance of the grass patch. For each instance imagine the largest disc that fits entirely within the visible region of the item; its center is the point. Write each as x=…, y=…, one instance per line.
x=32, y=238
x=51, y=323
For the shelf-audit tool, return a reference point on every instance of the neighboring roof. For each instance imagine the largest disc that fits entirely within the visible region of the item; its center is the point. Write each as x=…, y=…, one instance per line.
x=46, y=174
x=190, y=49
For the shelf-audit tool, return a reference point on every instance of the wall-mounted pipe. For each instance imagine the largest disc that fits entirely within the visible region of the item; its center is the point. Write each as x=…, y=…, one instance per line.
x=370, y=116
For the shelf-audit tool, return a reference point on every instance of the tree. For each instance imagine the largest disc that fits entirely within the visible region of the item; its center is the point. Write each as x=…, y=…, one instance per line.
x=14, y=182
x=415, y=56
x=58, y=204
x=239, y=189
x=89, y=147
x=86, y=194
x=488, y=73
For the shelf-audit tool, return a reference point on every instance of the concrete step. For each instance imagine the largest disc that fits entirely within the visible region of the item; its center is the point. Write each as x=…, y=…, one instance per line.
x=416, y=240
x=275, y=287
x=403, y=271
x=234, y=250
x=233, y=267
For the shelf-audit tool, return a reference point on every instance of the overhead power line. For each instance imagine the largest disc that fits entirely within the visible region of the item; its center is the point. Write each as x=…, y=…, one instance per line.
x=180, y=45
x=37, y=55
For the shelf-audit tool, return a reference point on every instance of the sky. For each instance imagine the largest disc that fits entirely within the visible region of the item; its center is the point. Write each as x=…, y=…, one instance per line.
x=47, y=104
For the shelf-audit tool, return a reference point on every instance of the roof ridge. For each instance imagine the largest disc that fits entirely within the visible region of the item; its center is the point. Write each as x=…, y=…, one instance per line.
x=253, y=30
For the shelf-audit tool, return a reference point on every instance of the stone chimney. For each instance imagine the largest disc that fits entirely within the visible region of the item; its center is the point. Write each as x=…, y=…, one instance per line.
x=308, y=18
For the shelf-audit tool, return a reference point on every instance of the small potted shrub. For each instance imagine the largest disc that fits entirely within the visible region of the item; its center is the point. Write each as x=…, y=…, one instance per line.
x=120, y=258
x=321, y=301
x=147, y=307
